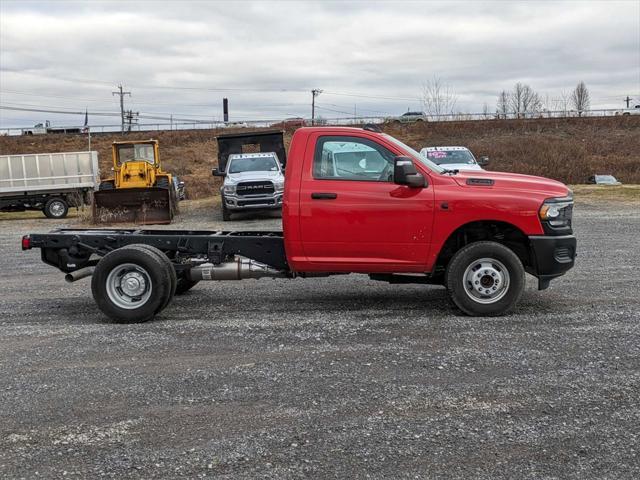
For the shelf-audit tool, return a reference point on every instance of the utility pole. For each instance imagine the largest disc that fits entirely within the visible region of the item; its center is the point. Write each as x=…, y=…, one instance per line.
x=314, y=93
x=122, y=94
x=627, y=100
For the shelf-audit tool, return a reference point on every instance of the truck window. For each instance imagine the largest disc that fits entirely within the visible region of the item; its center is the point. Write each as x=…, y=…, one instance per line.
x=352, y=158
x=253, y=164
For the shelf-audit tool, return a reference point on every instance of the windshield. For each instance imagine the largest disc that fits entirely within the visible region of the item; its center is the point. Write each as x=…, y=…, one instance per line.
x=449, y=157
x=253, y=164
x=416, y=156
x=128, y=153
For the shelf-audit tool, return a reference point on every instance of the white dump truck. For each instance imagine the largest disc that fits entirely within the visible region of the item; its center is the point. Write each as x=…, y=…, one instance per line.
x=49, y=182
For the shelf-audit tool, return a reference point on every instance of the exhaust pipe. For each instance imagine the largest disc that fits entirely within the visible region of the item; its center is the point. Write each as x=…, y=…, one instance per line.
x=78, y=274
x=240, y=268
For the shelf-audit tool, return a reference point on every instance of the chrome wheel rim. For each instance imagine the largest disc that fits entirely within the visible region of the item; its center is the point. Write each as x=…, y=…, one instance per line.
x=56, y=209
x=486, y=280
x=129, y=286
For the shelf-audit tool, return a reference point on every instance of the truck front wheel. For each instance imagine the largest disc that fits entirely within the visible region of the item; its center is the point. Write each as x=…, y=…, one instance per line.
x=485, y=279
x=130, y=284
x=56, y=208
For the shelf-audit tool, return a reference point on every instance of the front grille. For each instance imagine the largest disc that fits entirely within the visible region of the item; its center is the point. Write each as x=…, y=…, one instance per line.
x=254, y=188
x=246, y=203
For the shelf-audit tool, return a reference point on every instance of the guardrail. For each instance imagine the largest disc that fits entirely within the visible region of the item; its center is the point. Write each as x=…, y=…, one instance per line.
x=356, y=120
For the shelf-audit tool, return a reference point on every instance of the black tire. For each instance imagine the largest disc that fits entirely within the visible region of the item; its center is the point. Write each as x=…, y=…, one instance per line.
x=465, y=295
x=56, y=208
x=171, y=271
x=108, y=185
x=106, y=284
x=184, y=285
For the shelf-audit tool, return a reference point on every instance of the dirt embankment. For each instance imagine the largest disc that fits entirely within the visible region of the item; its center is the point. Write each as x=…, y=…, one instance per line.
x=569, y=150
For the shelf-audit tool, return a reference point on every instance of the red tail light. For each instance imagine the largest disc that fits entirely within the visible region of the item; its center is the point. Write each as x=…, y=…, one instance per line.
x=26, y=242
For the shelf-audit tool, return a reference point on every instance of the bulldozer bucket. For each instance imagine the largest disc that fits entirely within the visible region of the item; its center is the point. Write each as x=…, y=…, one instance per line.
x=143, y=206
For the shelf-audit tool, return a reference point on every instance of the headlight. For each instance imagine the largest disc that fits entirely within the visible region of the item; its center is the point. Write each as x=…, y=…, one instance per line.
x=229, y=189
x=557, y=212
x=279, y=186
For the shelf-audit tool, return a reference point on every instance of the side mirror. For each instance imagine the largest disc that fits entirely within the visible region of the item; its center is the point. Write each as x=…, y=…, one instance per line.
x=484, y=160
x=405, y=173
x=217, y=173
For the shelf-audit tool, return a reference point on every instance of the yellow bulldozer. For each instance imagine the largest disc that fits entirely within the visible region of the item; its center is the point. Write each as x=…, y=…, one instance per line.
x=140, y=191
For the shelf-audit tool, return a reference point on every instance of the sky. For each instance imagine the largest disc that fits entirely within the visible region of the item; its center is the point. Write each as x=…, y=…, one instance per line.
x=370, y=58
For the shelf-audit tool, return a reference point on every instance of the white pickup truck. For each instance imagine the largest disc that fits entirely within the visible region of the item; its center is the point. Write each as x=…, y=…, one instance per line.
x=253, y=181
x=454, y=158
x=630, y=111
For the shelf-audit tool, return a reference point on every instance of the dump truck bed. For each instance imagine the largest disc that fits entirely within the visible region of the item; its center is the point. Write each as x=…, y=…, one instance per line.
x=48, y=172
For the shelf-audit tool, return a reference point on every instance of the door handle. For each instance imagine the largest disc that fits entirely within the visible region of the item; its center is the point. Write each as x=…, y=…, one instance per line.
x=324, y=196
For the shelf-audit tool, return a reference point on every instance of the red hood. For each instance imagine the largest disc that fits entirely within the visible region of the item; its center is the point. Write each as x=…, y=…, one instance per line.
x=515, y=181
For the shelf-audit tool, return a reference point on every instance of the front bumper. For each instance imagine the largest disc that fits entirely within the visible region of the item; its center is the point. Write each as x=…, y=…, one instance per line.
x=253, y=202
x=551, y=257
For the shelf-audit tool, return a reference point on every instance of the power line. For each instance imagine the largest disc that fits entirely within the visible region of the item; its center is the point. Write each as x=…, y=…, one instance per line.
x=377, y=97
x=21, y=109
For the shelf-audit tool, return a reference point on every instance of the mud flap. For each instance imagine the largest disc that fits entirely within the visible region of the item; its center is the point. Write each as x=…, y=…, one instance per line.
x=143, y=206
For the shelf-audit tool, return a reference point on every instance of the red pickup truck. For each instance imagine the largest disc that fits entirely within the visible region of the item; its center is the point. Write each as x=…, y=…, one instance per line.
x=355, y=201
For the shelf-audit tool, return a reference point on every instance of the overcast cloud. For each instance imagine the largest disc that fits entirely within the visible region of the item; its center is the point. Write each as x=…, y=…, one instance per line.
x=269, y=55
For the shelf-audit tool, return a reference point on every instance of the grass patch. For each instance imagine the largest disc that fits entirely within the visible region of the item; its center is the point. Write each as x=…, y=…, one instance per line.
x=606, y=193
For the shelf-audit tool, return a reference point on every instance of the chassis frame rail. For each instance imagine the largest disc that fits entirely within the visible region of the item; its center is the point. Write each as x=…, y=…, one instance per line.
x=71, y=249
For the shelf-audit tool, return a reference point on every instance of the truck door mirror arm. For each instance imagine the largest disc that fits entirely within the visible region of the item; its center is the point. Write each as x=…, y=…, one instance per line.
x=217, y=173
x=405, y=173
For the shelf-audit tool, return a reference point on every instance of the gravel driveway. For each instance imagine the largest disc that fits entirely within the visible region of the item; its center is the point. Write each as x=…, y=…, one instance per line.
x=325, y=378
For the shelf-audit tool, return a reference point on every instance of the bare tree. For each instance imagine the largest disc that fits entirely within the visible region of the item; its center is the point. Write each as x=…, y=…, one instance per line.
x=502, y=105
x=564, y=101
x=523, y=100
x=580, y=98
x=485, y=110
x=438, y=98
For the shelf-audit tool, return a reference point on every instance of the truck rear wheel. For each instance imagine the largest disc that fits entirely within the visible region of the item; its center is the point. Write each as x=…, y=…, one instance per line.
x=171, y=271
x=130, y=284
x=485, y=279
x=56, y=208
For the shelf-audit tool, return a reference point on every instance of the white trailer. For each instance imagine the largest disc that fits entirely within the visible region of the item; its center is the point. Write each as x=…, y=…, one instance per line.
x=49, y=182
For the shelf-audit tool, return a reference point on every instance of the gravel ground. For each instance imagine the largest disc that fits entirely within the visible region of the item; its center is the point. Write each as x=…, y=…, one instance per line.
x=325, y=378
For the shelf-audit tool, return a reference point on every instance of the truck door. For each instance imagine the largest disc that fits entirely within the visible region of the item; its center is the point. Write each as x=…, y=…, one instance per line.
x=353, y=217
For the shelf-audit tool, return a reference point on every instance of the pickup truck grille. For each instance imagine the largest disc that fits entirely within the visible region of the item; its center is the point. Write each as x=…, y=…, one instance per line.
x=254, y=188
